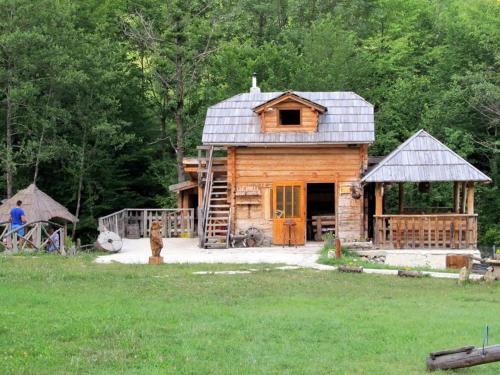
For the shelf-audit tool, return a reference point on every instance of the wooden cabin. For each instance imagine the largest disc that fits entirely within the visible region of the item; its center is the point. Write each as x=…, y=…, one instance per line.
x=292, y=165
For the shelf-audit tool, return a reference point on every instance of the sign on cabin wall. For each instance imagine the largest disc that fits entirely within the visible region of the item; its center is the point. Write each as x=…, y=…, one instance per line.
x=248, y=190
x=345, y=189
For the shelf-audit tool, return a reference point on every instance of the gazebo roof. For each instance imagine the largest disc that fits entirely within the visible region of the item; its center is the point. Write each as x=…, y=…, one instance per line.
x=423, y=158
x=37, y=206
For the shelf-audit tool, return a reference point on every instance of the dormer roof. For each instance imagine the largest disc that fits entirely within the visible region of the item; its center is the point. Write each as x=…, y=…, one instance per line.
x=347, y=118
x=290, y=95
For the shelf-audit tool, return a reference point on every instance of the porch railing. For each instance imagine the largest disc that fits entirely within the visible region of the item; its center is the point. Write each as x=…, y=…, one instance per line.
x=135, y=222
x=452, y=231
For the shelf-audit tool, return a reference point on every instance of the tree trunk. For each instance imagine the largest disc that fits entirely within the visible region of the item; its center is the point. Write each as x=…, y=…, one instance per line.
x=80, y=183
x=179, y=110
x=37, y=161
x=8, y=143
x=180, y=141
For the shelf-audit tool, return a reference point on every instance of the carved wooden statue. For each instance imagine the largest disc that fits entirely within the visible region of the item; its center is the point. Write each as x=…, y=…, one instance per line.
x=156, y=242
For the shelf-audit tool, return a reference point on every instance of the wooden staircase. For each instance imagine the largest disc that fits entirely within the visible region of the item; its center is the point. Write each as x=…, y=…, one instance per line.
x=216, y=211
x=218, y=216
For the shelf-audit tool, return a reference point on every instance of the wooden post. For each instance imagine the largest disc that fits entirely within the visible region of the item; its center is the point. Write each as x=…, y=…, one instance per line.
x=456, y=197
x=338, y=248
x=470, y=198
x=232, y=191
x=464, y=197
x=191, y=222
x=14, y=242
x=401, y=197
x=144, y=224
x=379, y=195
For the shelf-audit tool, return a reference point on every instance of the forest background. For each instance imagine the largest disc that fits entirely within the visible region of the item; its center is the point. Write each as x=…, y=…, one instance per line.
x=101, y=99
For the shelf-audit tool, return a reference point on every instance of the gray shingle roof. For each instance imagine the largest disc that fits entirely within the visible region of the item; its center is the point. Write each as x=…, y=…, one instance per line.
x=349, y=119
x=423, y=158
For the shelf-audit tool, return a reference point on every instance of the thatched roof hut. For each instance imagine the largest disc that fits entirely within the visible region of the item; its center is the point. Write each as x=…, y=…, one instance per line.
x=37, y=205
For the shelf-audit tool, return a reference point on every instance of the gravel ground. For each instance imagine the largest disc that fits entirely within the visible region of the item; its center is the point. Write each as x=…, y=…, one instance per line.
x=186, y=250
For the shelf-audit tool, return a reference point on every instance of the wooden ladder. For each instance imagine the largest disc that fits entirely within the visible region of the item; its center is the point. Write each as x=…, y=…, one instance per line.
x=216, y=210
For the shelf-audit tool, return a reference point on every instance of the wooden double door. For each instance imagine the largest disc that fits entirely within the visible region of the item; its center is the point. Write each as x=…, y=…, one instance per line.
x=289, y=213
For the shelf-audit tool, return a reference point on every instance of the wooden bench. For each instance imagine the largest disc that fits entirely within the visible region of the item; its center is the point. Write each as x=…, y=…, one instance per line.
x=322, y=224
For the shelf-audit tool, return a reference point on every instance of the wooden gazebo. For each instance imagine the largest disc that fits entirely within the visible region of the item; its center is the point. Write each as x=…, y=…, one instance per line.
x=423, y=159
x=40, y=209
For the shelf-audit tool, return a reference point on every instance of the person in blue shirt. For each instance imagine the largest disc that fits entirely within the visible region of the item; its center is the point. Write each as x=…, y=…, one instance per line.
x=18, y=218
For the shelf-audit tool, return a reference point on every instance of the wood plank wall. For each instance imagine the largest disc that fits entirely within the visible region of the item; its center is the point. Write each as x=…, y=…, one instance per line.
x=270, y=118
x=258, y=167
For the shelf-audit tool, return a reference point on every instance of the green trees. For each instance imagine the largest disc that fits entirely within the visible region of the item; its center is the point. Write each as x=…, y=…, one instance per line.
x=100, y=100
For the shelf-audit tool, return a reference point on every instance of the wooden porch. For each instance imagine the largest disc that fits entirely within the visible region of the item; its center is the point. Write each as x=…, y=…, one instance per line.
x=136, y=222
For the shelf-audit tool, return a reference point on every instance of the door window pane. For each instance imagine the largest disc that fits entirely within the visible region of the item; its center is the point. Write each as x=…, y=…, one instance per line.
x=296, y=201
x=279, y=200
x=288, y=201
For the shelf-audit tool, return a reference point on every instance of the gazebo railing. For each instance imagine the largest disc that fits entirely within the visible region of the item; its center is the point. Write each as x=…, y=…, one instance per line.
x=36, y=236
x=135, y=222
x=447, y=231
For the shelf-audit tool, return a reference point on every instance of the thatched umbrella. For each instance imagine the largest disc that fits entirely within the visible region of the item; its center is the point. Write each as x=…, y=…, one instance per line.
x=37, y=206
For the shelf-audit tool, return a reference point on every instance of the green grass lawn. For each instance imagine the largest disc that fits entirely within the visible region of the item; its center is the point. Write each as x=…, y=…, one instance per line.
x=68, y=315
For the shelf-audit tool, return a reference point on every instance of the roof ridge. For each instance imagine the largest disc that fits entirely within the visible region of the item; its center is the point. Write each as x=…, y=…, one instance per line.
x=392, y=154
x=454, y=153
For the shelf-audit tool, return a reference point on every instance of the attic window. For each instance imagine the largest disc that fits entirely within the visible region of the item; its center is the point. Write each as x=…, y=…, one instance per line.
x=290, y=117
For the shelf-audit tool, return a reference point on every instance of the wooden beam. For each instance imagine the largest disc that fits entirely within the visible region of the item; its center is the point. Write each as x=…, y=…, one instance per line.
x=401, y=197
x=470, y=198
x=379, y=198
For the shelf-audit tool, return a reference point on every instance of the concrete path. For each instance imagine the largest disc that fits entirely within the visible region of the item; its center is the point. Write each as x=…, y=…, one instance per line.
x=186, y=250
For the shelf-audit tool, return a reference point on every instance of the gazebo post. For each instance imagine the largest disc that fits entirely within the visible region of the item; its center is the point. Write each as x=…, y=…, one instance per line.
x=65, y=233
x=401, y=197
x=464, y=198
x=379, y=195
x=470, y=198
x=456, y=197
x=38, y=238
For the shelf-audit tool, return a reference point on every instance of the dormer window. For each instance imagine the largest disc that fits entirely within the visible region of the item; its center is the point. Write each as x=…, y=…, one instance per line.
x=289, y=113
x=290, y=117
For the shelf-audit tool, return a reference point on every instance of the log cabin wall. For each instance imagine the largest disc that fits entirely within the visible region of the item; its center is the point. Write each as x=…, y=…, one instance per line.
x=271, y=123
x=253, y=170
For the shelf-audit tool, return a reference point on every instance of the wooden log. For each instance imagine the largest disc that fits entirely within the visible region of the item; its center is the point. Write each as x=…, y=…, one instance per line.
x=462, y=357
x=352, y=269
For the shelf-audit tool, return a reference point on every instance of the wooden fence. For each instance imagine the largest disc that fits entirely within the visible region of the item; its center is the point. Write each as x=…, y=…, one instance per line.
x=135, y=222
x=453, y=231
x=36, y=236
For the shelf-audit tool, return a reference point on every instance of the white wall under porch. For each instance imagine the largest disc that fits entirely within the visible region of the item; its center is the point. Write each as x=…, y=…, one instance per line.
x=425, y=258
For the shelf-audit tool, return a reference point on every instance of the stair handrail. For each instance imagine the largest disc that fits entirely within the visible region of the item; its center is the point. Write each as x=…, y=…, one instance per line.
x=229, y=226
x=206, y=195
